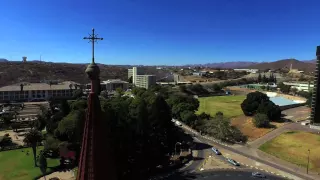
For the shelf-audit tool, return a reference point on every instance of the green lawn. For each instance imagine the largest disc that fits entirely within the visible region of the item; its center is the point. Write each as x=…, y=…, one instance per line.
x=293, y=147
x=229, y=105
x=19, y=166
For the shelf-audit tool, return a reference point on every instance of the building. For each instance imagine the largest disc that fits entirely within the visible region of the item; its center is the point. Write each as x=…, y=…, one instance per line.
x=315, y=106
x=301, y=86
x=200, y=73
x=248, y=70
x=139, y=80
x=110, y=85
x=37, y=91
x=24, y=59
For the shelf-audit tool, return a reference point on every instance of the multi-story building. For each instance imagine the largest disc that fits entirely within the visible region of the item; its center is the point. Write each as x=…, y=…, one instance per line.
x=37, y=91
x=139, y=80
x=301, y=86
x=110, y=85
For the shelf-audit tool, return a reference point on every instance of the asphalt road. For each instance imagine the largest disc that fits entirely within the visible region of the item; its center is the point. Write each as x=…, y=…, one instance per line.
x=201, y=148
x=219, y=175
x=254, y=158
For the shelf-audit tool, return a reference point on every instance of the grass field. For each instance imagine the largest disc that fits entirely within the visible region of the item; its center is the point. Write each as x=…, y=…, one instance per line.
x=229, y=105
x=19, y=166
x=293, y=147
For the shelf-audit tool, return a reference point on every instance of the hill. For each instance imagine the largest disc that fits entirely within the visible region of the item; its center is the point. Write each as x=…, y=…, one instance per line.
x=285, y=63
x=36, y=71
x=16, y=72
x=226, y=65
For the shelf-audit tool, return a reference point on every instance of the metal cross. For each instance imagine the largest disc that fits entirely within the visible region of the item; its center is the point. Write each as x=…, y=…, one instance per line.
x=93, y=38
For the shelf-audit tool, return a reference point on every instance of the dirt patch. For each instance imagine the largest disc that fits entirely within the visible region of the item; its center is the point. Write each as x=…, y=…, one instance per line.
x=246, y=126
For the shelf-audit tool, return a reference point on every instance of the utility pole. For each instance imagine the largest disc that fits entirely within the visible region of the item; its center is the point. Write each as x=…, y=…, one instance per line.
x=308, y=161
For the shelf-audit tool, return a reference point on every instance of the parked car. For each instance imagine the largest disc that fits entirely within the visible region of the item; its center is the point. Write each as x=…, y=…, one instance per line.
x=178, y=123
x=216, y=151
x=258, y=175
x=233, y=162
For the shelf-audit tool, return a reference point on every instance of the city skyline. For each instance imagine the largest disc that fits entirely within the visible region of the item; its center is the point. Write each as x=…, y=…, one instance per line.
x=160, y=32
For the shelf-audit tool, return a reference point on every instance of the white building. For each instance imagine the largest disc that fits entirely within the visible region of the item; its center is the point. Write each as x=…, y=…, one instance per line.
x=110, y=85
x=301, y=86
x=248, y=70
x=139, y=80
x=37, y=91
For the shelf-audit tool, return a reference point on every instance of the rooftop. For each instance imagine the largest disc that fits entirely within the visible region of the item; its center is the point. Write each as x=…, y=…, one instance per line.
x=38, y=86
x=114, y=81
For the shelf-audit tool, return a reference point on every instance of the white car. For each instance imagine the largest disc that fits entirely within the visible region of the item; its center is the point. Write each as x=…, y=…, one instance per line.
x=178, y=123
x=258, y=175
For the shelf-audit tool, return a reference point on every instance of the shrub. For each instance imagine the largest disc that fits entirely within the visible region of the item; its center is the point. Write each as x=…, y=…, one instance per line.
x=261, y=120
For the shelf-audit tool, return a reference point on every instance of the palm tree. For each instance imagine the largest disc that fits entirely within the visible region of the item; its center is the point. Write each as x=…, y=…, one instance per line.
x=32, y=138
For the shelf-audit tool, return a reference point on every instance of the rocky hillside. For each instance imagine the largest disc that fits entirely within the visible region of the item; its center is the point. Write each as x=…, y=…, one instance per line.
x=16, y=72
x=286, y=63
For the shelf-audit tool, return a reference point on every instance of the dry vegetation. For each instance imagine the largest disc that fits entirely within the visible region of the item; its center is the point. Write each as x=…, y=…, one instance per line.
x=293, y=147
x=246, y=126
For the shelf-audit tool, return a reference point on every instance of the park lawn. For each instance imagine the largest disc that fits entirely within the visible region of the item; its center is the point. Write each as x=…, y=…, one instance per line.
x=228, y=105
x=16, y=165
x=293, y=147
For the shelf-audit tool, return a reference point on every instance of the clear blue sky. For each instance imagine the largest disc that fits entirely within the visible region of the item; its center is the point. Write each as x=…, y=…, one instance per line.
x=160, y=31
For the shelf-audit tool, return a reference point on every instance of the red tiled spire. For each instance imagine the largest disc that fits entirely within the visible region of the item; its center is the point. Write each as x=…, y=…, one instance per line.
x=96, y=158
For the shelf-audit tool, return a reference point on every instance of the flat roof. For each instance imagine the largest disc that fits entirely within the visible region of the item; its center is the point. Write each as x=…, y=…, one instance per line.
x=38, y=86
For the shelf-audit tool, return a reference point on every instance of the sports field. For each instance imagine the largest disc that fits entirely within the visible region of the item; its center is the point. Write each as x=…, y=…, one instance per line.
x=229, y=105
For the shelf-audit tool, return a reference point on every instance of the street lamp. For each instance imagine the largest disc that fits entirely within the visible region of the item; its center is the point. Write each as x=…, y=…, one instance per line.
x=308, y=160
x=175, y=147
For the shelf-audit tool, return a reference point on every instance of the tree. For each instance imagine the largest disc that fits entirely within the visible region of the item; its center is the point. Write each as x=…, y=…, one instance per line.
x=220, y=127
x=284, y=88
x=188, y=117
x=216, y=87
x=219, y=113
x=5, y=140
x=250, y=105
x=43, y=163
x=294, y=90
x=120, y=91
x=259, y=78
x=15, y=126
x=204, y=115
x=32, y=138
x=104, y=94
x=264, y=79
x=130, y=79
x=270, y=109
x=261, y=120
x=183, y=88
x=76, y=94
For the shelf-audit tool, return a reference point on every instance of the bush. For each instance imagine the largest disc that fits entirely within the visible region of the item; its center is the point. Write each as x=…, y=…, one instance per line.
x=261, y=120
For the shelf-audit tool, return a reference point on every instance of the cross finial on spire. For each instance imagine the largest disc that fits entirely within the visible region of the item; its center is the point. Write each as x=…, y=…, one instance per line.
x=93, y=38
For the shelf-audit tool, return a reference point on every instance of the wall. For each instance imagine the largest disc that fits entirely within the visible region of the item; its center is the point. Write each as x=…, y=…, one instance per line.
x=291, y=106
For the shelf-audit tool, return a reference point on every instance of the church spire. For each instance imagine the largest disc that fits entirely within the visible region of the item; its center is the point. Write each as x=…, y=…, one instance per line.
x=96, y=158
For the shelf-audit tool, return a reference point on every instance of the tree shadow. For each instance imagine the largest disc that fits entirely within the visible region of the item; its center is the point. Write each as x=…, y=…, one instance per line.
x=200, y=146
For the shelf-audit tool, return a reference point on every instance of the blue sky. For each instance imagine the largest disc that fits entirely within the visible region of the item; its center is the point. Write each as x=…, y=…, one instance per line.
x=160, y=31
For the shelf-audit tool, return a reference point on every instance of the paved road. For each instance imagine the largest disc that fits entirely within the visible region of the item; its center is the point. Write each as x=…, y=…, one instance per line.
x=220, y=175
x=257, y=159
x=200, y=158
